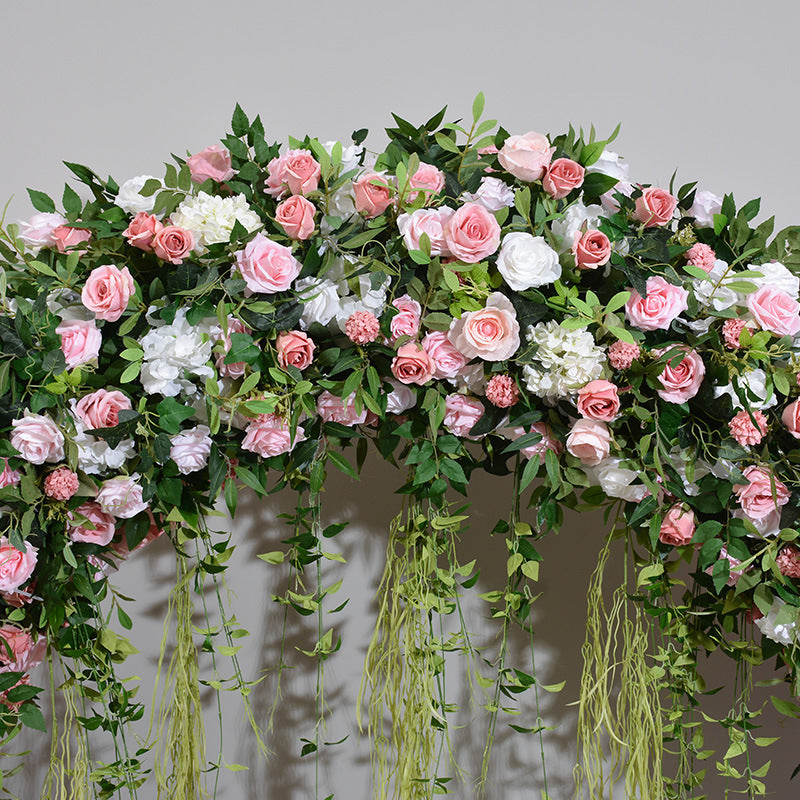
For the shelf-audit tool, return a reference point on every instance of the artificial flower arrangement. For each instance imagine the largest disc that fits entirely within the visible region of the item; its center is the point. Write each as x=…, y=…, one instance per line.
x=464, y=299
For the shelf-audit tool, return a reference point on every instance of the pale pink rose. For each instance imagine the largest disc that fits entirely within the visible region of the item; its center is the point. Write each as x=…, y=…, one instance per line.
x=101, y=408
x=372, y=194
x=80, y=341
x=8, y=477
x=295, y=349
x=598, y=400
x=677, y=527
x=37, y=232
x=744, y=431
x=190, y=449
x=296, y=217
x=18, y=652
x=406, y=322
x=537, y=449
x=107, y=292
x=412, y=364
x=622, y=354
x=296, y=170
x=562, y=176
x=15, y=566
x=141, y=231
x=664, y=303
x=591, y=250
x=502, y=391
x=61, y=484
x=448, y=360
x=590, y=441
x=173, y=243
x=267, y=266
x=334, y=409
x=38, y=439
x=655, y=207
x=791, y=418
x=270, y=435
x=492, y=333
x=681, y=381
x=430, y=221
x=120, y=543
x=775, y=311
x=461, y=415
x=66, y=237
x=701, y=256
x=100, y=529
x=213, y=163
x=526, y=156
x=428, y=179
x=763, y=496
x=235, y=370
x=362, y=327
x=121, y=497
x=472, y=233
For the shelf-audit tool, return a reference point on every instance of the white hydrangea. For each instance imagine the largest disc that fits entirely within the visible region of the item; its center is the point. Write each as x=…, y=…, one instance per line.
x=573, y=221
x=96, y=456
x=211, y=218
x=565, y=361
x=129, y=199
x=320, y=299
x=780, y=623
x=174, y=352
x=777, y=276
x=754, y=384
x=493, y=194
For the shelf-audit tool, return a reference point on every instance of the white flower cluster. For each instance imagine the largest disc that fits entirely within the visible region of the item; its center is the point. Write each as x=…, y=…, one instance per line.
x=211, y=218
x=566, y=360
x=780, y=623
x=95, y=455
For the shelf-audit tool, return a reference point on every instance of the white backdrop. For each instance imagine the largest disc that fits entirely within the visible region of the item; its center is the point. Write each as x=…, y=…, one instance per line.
x=709, y=89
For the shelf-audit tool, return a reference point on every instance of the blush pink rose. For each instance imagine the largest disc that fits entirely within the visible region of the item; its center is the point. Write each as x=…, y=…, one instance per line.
x=295, y=349
x=655, y=207
x=526, y=156
x=461, y=414
x=492, y=333
x=590, y=441
x=8, y=476
x=121, y=497
x=80, y=341
x=296, y=217
x=791, y=418
x=537, y=449
x=372, y=195
x=65, y=237
x=406, y=322
x=141, y=231
x=100, y=529
x=37, y=232
x=472, y=233
x=107, y=292
x=430, y=221
x=448, y=360
x=562, y=176
x=297, y=170
x=267, y=266
x=677, y=527
x=412, y=364
x=38, y=439
x=427, y=179
x=101, y=408
x=235, y=370
x=680, y=381
x=15, y=566
x=24, y=654
x=598, y=400
x=591, y=250
x=664, y=303
x=763, y=495
x=190, y=449
x=775, y=310
x=333, y=409
x=270, y=435
x=173, y=244
x=213, y=163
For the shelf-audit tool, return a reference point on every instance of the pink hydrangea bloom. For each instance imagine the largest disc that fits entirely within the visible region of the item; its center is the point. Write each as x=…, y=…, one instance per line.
x=702, y=256
x=61, y=484
x=622, y=354
x=744, y=431
x=362, y=327
x=502, y=391
x=788, y=561
x=731, y=329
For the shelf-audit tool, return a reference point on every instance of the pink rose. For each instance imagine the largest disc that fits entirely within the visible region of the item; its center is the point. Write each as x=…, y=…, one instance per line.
x=296, y=170
x=405, y=323
x=24, y=653
x=61, y=484
x=37, y=232
x=269, y=435
x=591, y=250
x=461, y=414
x=15, y=566
x=526, y=156
x=190, y=449
x=107, y=292
x=372, y=195
x=791, y=418
x=267, y=266
x=101, y=408
x=775, y=311
x=590, y=441
x=492, y=333
x=8, y=477
x=296, y=217
x=100, y=529
x=213, y=163
x=80, y=341
x=334, y=409
x=681, y=381
x=235, y=370
x=141, y=231
x=664, y=302
x=472, y=233
x=562, y=176
x=38, y=439
x=121, y=497
x=295, y=349
x=173, y=244
x=412, y=364
x=65, y=237
x=447, y=359
x=677, y=527
x=763, y=495
x=598, y=400
x=538, y=449
x=428, y=179
x=655, y=207
x=430, y=221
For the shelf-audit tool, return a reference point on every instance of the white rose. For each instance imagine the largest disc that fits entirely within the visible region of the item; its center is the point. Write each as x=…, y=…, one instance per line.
x=493, y=194
x=342, y=204
x=616, y=481
x=350, y=156
x=714, y=290
x=129, y=199
x=573, y=221
x=319, y=298
x=470, y=378
x=37, y=232
x=611, y=164
x=527, y=261
x=400, y=399
x=705, y=205
x=190, y=449
x=754, y=385
x=780, y=623
x=778, y=276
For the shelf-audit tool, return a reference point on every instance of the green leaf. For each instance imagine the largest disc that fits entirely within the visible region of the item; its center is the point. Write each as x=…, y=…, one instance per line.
x=240, y=125
x=172, y=414
x=41, y=201
x=31, y=716
x=446, y=143
x=71, y=200
x=477, y=107
x=273, y=557
x=341, y=463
